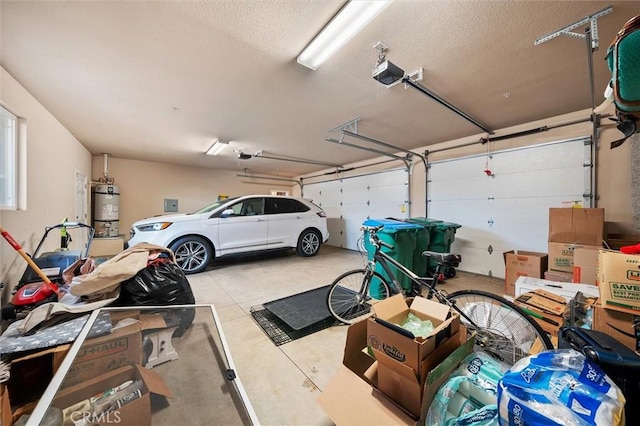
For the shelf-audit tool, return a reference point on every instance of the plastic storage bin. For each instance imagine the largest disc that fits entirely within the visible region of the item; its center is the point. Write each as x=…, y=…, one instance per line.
x=441, y=236
x=421, y=265
x=402, y=236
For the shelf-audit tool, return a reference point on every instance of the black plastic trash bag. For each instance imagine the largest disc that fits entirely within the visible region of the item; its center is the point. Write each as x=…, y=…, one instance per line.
x=161, y=283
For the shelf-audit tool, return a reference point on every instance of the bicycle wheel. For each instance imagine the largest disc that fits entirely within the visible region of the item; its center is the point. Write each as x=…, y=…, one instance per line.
x=351, y=294
x=502, y=329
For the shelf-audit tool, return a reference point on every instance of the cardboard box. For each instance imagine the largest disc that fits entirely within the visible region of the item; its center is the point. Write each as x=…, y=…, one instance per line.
x=520, y=263
x=619, y=281
x=577, y=226
x=615, y=241
x=562, y=277
x=566, y=290
x=106, y=246
x=585, y=265
x=105, y=353
x=545, y=307
x=401, y=383
x=561, y=255
x=136, y=412
x=406, y=350
x=351, y=396
x=30, y=375
x=622, y=326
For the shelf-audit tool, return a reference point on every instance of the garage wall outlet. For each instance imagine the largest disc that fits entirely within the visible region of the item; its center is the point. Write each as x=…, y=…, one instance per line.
x=170, y=205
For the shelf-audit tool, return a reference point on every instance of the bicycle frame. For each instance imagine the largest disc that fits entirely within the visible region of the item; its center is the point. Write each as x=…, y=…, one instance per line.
x=380, y=257
x=384, y=260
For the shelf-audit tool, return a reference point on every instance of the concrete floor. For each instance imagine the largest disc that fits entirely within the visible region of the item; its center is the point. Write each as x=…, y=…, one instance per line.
x=283, y=382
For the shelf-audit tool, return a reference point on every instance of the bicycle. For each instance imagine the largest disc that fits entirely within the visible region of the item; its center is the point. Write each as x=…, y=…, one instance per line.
x=502, y=328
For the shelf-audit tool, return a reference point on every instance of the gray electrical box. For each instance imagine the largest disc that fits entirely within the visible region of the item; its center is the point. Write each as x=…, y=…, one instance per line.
x=170, y=205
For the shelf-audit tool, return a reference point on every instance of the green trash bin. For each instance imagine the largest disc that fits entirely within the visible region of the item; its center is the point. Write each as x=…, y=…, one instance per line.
x=421, y=265
x=402, y=236
x=442, y=236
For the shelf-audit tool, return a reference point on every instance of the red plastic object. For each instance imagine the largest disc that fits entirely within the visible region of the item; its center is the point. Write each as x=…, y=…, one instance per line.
x=635, y=249
x=31, y=294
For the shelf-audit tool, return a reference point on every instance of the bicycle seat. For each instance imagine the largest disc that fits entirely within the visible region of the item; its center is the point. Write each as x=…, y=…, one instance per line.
x=444, y=259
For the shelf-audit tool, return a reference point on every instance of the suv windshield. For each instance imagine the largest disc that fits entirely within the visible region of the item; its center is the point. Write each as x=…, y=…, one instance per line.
x=212, y=207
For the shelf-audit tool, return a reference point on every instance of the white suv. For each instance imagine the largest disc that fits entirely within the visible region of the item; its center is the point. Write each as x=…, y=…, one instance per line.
x=236, y=225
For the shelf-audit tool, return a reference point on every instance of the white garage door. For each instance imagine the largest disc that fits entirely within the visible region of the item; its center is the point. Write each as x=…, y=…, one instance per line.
x=350, y=201
x=508, y=210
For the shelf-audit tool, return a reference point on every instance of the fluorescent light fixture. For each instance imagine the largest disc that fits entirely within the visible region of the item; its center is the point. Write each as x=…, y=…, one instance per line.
x=350, y=19
x=217, y=147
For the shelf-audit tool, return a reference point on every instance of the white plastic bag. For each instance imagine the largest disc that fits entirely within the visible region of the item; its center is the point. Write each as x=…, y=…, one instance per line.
x=560, y=387
x=469, y=396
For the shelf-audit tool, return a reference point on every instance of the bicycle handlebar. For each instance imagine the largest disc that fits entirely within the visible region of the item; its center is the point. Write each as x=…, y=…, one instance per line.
x=373, y=236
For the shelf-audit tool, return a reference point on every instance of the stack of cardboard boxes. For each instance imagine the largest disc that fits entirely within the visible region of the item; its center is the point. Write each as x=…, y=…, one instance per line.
x=537, y=279
x=101, y=360
x=389, y=377
x=618, y=310
x=574, y=231
x=576, y=256
x=404, y=360
x=575, y=237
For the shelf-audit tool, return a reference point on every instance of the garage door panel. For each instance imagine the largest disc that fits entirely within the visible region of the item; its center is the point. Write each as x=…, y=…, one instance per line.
x=457, y=189
x=473, y=258
x=457, y=210
x=348, y=202
x=461, y=168
x=540, y=158
x=510, y=210
x=540, y=184
x=380, y=209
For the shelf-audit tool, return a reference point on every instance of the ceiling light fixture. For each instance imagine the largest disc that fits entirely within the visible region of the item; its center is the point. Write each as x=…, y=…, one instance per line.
x=217, y=147
x=343, y=26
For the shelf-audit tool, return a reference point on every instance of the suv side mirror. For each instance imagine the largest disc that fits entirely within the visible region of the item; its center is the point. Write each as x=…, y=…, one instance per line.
x=227, y=213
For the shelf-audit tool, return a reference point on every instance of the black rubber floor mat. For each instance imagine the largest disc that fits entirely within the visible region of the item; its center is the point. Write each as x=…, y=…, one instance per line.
x=279, y=332
x=302, y=310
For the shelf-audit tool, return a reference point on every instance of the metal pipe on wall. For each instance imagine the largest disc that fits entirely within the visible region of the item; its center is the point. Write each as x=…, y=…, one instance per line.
x=595, y=123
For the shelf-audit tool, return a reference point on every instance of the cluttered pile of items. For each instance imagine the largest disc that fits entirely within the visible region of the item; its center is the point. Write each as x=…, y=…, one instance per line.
x=52, y=303
x=583, y=294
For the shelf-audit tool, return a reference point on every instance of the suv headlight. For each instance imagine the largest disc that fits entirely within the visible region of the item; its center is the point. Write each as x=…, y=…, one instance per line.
x=158, y=226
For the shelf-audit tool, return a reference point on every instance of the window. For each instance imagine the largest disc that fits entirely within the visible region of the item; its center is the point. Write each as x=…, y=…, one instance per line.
x=8, y=160
x=284, y=205
x=252, y=207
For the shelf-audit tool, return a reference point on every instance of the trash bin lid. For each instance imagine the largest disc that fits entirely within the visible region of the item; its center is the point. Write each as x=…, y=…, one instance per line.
x=447, y=225
x=425, y=220
x=391, y=225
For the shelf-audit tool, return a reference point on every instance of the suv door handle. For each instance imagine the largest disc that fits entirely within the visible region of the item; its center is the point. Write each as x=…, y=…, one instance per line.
x=261, y=220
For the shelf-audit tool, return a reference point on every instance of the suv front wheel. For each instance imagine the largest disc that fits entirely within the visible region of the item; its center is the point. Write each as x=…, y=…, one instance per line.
x=308, y=243
x=193, y=254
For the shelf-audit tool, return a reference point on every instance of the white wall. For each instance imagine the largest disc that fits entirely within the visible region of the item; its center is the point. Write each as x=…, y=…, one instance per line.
x=53, y=155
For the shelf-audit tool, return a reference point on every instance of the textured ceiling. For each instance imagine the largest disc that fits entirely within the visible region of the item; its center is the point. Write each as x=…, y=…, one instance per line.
x=159, y=80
